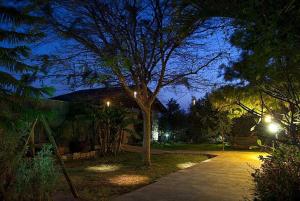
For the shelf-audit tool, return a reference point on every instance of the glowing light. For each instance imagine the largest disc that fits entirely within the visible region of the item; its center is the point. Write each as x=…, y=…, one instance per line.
x=268, y=118
x=273, y=127
x=155, y=131
x=129, y=180
x=103, y=168
x=135, y=94
x=206, y=161
x=194, y=101
x=167, y=135
x=185, y=165
x=107, y=103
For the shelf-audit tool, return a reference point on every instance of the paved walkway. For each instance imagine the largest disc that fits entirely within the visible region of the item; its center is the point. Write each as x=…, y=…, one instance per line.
x=223, y=178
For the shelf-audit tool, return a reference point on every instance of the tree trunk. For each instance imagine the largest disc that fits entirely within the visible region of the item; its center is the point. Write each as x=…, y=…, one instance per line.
x=147, y=136
x=223, y=142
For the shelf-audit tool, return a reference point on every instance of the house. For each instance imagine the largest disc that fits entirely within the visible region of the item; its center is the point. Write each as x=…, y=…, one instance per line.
x=115, y=96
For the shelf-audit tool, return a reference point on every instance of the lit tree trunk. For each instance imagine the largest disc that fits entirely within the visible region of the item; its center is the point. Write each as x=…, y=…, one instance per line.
x=223, y=142
x=147, y=136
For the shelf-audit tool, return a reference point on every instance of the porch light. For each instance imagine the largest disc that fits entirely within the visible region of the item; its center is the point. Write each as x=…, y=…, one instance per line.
x=194, y=101
x=135, y=94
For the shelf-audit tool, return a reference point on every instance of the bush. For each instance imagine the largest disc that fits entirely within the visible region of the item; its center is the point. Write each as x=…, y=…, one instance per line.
x=36, y=177
x=23, y=178
x=279, y=176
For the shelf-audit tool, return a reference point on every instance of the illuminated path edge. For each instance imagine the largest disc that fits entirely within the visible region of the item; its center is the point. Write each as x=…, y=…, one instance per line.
x=226, y=177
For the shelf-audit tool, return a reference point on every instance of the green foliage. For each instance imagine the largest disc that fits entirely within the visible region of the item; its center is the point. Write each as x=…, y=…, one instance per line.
x=279, y=176
x=24, y=178
x=241, y=126
x=37, y=177
x=173, y=122
x=267, y=33
x=207, y=122
x=112, y=124
x=18, y=30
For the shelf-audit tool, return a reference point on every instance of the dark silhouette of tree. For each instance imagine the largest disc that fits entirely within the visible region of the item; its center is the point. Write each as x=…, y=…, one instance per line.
x=18, y=30
x=173, y=121
x=206, y=122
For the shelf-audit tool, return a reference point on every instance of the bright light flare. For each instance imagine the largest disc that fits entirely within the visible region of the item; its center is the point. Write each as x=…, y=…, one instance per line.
x=107, y=103
x=185, y=165
x=273, y=127
x=135, y=94
x=103, y=168
x=129, y=180
x=268, y=119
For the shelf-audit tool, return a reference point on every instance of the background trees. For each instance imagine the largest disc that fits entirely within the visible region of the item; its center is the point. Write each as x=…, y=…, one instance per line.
x=201, y=123
x=206, y=122
x=173, y=122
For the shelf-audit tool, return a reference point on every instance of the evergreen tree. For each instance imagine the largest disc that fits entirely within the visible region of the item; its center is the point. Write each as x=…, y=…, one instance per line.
x=173, y=121
x=18, y=29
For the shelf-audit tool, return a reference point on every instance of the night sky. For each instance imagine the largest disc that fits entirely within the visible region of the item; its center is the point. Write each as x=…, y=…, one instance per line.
x=216, y=42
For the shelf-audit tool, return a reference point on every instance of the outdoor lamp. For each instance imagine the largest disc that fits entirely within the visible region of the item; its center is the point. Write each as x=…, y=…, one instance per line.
x=273, y=127
x=134, y=94
x=268, y=118
x=107, y=103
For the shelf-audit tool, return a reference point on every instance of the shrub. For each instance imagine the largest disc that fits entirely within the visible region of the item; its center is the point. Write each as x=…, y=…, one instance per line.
x=112, y=123
x=36, y=177
x=22, y=178
x=279, y=176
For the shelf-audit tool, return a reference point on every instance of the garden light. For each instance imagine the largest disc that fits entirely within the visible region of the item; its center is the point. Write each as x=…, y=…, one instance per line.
x=268, y=118
x=273, y=127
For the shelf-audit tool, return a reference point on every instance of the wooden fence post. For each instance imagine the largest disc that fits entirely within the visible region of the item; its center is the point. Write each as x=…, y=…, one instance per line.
x=61, y=162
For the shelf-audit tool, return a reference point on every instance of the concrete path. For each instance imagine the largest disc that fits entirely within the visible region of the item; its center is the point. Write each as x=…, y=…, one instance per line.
x=223, y=178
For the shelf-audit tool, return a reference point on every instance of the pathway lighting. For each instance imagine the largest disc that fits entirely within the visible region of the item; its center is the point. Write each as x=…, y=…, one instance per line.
x=273, y=127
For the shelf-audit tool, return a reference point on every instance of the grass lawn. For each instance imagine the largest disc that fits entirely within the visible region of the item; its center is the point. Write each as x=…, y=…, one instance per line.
x=197, y=147
x=102, y=178
x=191, y=147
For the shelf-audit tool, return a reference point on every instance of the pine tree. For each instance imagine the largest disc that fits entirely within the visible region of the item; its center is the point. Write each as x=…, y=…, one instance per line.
x=18, y=29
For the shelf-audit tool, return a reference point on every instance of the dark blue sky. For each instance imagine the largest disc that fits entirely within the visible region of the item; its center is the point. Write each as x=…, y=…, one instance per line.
x=216, y=42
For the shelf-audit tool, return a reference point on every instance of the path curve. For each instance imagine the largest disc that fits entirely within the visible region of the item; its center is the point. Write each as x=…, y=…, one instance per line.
x=226, y=177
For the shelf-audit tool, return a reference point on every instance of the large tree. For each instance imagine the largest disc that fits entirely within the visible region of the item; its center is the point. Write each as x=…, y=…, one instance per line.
x=137, y=44
x=267, y=34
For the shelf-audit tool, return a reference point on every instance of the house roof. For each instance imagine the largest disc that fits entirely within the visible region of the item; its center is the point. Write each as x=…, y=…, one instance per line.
x=99, y=96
